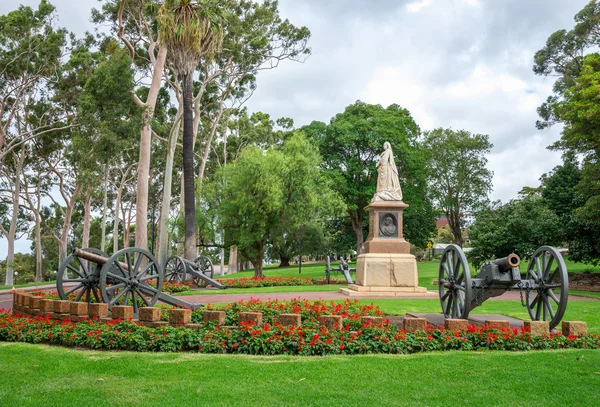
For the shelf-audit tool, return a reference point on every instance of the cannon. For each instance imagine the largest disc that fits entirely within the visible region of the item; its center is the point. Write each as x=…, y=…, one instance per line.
x=131, y=276
x=343, y=268
x=200, y=271
x=544, y=289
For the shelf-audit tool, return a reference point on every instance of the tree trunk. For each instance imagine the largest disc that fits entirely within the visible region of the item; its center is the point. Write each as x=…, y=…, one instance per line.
x=104, y=210
x=188, y=168
x=454, y=224
x=116, y=221
x=284, y=261
x=85, y=240
x=232, y=266
x=38, y=233
x=12, y=231
x=64, y=236
x=141, y=214
x=357, y=226
x=163, y=239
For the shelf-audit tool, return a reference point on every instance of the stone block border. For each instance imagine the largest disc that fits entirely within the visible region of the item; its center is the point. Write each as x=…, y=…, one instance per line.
x=29, y=305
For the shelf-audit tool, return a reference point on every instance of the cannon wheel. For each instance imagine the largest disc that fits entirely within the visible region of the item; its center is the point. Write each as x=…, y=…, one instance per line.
x=85, y=275
x=548, y=271
x=143, y=279
x=455, y=287
x=175, y=270
x=204, y=266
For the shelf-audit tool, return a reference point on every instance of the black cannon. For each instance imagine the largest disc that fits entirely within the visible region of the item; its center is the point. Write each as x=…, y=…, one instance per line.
x=131, y=276
x=544, y=290
x=200, y=271
x=344, y=268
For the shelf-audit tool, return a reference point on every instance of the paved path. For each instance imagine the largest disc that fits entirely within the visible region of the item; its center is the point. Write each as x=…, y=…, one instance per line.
x=334, y=295
x=6, y=296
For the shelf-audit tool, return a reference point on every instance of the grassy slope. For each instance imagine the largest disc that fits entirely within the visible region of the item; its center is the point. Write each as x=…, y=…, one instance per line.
x=74, y=378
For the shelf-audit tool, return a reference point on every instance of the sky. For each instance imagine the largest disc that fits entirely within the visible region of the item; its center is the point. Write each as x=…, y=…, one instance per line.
x=460, y=64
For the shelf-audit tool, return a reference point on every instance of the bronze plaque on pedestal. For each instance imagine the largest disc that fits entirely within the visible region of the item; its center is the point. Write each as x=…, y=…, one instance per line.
x=388, y=224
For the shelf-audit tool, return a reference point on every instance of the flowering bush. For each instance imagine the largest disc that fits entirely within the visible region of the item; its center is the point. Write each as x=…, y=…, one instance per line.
x=246, y=282
x=274, y=339
x=174, y=287
x=349, y=310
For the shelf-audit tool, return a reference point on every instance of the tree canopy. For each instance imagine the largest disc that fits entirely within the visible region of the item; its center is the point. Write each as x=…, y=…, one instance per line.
x=459, y=179
x=350, y=145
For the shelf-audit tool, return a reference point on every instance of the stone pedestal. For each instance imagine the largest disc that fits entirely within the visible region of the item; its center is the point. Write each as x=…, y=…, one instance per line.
x=386, y=266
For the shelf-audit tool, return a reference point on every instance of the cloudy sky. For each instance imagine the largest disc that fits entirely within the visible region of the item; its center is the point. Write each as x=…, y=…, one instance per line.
x=464, y=64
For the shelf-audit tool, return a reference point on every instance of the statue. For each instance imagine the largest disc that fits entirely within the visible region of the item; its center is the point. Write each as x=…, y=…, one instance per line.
x=388, y=185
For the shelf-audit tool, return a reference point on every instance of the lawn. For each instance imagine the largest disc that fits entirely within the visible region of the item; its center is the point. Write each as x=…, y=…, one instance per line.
x=65, y=377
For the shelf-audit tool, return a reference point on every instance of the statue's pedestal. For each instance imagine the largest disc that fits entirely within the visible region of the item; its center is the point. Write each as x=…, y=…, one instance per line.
x=386, y=267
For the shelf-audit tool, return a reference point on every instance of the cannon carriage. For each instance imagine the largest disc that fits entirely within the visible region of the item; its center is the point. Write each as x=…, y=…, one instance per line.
x=131, y=276
x=200, y=272
x=544, y=290
x=343, y=268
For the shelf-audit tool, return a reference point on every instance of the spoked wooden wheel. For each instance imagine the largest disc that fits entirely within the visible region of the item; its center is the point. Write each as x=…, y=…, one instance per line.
x=175, y=270
x=78, y=279
x=548, y=271
x=131, y=276
x=455, y=288
x=204, y=266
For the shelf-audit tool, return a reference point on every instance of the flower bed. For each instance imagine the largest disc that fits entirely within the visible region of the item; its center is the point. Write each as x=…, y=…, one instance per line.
x=310, y=311
x=246, y=282
x=173, y=287
x=272, y=338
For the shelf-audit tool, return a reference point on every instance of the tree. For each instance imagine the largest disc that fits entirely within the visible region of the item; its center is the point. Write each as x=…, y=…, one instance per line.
x=350, y=145
x=190, y=31
x=562, y=57
x=458, y=178
x=562, y=193
x=519, y=226
x=266, y=194
x=30, y=52
x=575, y=105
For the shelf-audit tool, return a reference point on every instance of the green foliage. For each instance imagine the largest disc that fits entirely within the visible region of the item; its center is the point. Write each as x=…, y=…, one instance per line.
x=444, y=235
x=575, y=104
x=266, y=195
x=350, y=145
x=564, y=190
x=24, y=265
x=28, y=43
x=563, y=55
x=110, y=119
x=190, y=30
x=459, y=180
x=520, y=226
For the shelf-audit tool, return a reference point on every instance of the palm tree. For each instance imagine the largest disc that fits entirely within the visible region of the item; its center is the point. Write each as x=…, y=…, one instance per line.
x=190, y=30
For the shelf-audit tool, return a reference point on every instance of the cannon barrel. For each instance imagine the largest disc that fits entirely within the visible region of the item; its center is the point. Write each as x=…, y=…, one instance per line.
x=95, y=258
x=508, y=262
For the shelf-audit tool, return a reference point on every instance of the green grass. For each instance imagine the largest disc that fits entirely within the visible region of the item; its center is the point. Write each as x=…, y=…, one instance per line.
x=36, y=375
x=8, y=287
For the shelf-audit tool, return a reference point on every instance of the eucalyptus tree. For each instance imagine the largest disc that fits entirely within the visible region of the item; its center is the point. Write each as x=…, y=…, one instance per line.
x=190, y=31
x=255, y=39
x=134, y=23
x=30, y=53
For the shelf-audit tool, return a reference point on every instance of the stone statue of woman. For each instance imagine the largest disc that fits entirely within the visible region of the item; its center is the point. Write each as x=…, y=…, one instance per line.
x=388, y=185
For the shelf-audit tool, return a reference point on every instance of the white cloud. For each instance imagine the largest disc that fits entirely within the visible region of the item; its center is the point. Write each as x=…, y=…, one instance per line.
x=417, y=6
